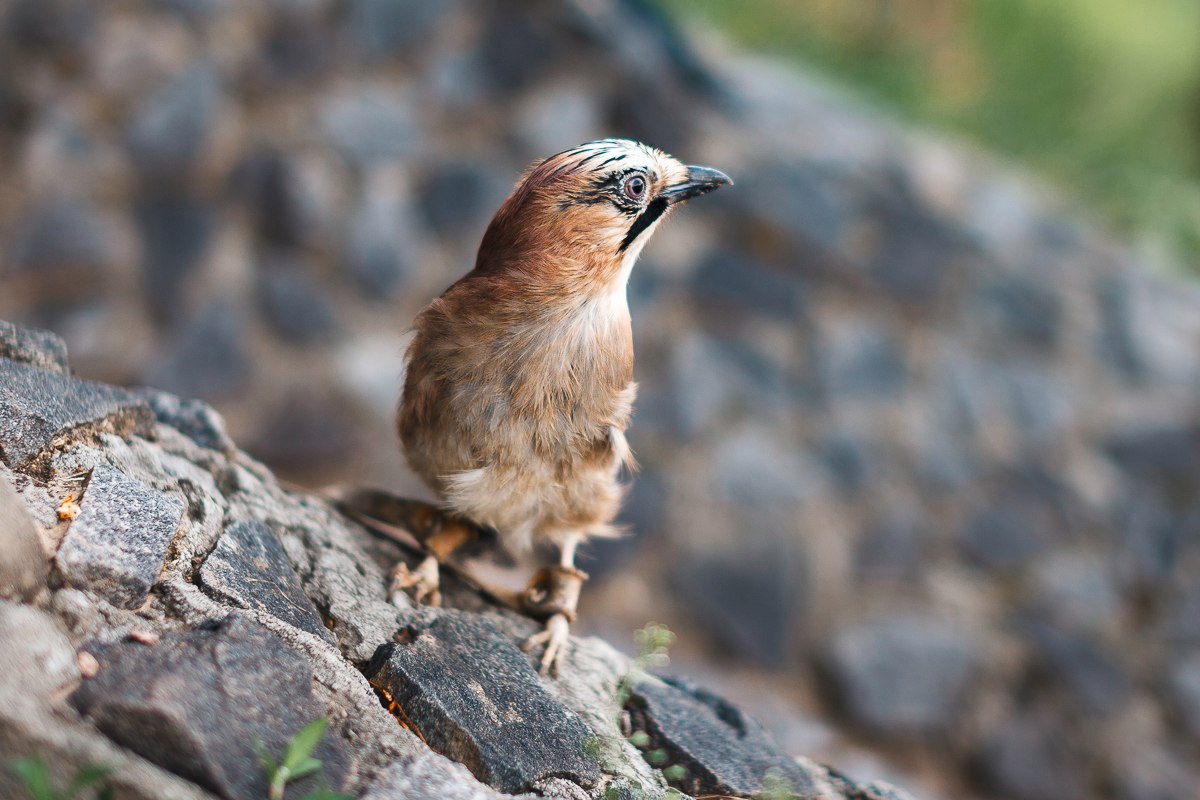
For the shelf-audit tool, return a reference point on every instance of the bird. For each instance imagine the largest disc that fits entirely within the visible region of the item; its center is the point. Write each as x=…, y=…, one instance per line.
x=519, y=378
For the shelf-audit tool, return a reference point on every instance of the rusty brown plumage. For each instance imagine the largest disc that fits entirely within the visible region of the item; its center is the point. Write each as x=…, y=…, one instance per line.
x=519, y=382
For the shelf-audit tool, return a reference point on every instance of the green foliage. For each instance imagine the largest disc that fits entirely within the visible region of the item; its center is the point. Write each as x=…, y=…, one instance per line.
x=653, y=641
x=297, y=762
x=1100, y=95
x=675, y=773
x=776, y=787
x=34, y=773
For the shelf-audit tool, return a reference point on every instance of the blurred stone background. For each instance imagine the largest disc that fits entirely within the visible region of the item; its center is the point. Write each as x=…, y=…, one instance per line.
x=920, y=449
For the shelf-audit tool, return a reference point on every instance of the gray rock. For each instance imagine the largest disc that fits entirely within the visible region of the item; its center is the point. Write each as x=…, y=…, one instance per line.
x=1038, y=400
x=35, y=654
x=42, y=349
x=63, y=235
x=1030, y=759
x=298, y=309
x=169, y=128
x=724, y=751
x=376, y=255
x=518, y=49
x=117, y=544
x=283, y=214
x=195, y=9
x=1094, y=676
x=557, y=114
x=713, y=379
x=1148, y=326
x=643, y=514
x=1163, y=456
x=59, y=26
x=208, y=358
x=41, y=411
x=1022, y=308
x=806, y=203
x=851, y=460
x=750, y=595
x=755, y=468
x=416, y=778
x=1156, y=770
x=903, y=674
x=894, y=547
x=461, y=197
x=38, y=662
x=195, y=419
x=175, y=231
x=1153, y=537
x=194, y=703
x=1023, y=515
x=296, y=46
x=475, y=698
x=1076, y=592
x=369, y=126
x=731, y=281
x=23, y=564
x=392, y=28
x=919, y=254
x=305, y=432
x=1183, y=685
x=861, y=361
x=249, y=569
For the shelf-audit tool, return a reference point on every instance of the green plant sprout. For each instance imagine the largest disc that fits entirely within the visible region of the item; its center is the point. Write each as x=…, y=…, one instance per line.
x=34, y=773
x=653, y=642
x=776, y=787
x=297, y=762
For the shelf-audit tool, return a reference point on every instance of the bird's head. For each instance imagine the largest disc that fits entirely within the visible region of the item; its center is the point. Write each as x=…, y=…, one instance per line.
x=579, y=219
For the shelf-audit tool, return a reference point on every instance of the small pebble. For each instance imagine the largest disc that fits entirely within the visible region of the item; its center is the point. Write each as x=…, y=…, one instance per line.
x=144, y=637
x=87, y=663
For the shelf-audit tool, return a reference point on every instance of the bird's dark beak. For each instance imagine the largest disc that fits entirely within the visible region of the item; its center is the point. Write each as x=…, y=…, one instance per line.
x=700, y=180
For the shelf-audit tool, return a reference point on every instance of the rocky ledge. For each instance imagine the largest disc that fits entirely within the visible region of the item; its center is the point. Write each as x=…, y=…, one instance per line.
x=171, y=612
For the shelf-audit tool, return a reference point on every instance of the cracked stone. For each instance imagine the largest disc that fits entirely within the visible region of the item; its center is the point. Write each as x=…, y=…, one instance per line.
x=250, y=569
x=41, y=411
x=117, y=544
x=475, y=698
x=195, y=703
x=723, y=750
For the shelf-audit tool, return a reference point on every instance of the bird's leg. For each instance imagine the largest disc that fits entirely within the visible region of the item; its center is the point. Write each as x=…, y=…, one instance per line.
x=409, y=523
x=440, y=542
x=553, y=594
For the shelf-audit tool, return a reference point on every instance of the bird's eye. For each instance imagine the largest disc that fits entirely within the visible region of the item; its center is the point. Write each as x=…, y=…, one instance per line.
x=634, y=187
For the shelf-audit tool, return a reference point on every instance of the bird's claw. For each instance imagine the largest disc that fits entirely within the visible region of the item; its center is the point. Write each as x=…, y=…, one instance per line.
x=422, y=584
x=553, y=636
x=554, y=590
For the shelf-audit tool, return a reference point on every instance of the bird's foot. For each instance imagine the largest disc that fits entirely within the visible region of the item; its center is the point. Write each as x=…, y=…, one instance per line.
x=422, y=584
x=553, y=636
x=553, y=594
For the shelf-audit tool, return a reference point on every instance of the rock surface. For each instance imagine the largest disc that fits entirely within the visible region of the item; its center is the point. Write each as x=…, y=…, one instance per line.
x=249, y=569
x=721, y=750
x=196, y=703
x=200, y=615
x=42, y=410
x=116, y=545
x=24, y=568
x=495, y=717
